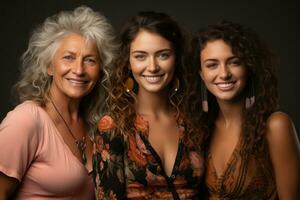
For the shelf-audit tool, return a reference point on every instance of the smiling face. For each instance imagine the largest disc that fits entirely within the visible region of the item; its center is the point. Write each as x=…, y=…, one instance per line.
x=223, y=73
x=152, y=61
x=75, y=67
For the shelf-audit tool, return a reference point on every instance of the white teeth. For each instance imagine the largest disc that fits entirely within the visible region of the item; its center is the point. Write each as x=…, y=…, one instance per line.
x=153, y=79
x=225, y=86
x=76, y=81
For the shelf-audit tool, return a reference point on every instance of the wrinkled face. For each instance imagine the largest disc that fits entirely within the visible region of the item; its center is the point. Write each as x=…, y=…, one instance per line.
x=75, y=67
x=223, y=73
x=152, y=61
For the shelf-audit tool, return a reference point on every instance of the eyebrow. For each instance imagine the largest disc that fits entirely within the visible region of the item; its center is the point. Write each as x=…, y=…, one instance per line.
x=87, y=55
x=215, y=59
x=145, y=52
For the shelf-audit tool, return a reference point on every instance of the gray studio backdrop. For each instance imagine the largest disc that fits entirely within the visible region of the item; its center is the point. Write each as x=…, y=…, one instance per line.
x=276, y=23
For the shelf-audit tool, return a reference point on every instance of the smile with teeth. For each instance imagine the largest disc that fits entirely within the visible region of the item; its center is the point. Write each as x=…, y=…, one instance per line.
x=225, y=85
x=77, y=81
x=153, y=78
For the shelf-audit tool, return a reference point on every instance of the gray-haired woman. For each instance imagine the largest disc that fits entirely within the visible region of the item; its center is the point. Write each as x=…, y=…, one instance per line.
x=45, y=145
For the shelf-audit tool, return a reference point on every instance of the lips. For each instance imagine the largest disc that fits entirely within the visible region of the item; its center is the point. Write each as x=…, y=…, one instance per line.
x=77, y=81
x=226, y=86
x=153, y=78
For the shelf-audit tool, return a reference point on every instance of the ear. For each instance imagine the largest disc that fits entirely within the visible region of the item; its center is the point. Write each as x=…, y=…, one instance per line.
x=50, y=70
x=200, y=73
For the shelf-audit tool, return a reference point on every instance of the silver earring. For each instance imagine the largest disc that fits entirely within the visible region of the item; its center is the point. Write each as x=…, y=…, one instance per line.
x=250, y=97
x=204, y=97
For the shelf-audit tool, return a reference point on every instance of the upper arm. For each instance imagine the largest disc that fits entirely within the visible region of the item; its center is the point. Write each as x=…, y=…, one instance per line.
x=109, y=165
x=284, y=151
x=18, y=143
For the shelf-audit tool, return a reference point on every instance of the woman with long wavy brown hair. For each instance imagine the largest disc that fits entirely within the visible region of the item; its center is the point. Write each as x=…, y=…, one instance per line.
x=252, y=149
x=145, y=147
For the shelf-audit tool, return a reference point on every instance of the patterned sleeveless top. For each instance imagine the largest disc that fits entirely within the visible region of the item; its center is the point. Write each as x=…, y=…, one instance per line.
x=247, y=177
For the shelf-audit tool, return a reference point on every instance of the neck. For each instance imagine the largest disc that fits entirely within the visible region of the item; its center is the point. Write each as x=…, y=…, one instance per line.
x=67, y=107
x=230, y=112
x=152, y=103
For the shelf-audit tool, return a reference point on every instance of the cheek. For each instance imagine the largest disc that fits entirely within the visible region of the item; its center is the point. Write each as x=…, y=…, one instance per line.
x=168, y=65
x=136, y=67
x=241, y=74
x=206, y=75
x=94, y=72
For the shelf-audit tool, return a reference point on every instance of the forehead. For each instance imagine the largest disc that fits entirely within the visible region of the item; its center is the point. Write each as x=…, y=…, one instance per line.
x=76, y=42
x=216, y=48
x=148, y=41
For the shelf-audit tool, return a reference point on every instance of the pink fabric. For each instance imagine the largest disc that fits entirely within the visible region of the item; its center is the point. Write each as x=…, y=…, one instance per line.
x=33, y=151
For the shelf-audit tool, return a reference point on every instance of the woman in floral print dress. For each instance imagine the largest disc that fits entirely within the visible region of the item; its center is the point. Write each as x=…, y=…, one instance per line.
x=145, y=146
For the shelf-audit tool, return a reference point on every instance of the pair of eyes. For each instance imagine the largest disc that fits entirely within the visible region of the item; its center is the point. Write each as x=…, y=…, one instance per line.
x=160, y=56
x=88, y=60
x=232, y=62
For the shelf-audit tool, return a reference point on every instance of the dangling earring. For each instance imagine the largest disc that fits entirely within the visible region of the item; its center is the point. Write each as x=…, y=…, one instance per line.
x=250, y=97
x=204, y=97
x=129, y=84
x=176, y=85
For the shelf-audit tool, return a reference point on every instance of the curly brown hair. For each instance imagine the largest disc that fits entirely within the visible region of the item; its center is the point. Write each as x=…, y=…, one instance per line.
x=261, y=66
x=121, y=104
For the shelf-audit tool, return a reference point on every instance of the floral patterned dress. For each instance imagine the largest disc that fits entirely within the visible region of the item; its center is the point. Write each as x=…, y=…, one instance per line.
x=127, y=167
x=246, y=177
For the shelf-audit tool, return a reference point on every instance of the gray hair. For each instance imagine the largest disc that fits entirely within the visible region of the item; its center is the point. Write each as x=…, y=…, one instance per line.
x=35, y=82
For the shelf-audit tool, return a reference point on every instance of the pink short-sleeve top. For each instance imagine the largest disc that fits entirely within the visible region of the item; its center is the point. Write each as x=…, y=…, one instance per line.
x=33, y=151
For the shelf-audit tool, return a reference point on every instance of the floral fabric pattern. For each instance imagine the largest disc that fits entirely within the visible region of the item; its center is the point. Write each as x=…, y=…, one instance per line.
x=127, y=167
x=246, y=177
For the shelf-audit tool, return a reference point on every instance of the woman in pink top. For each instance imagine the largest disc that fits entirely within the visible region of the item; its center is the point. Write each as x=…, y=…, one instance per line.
x=45, y=144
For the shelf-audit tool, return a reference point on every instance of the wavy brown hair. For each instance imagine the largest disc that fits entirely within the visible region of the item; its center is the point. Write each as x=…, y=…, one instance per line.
x=261, y=67
x=121, y=104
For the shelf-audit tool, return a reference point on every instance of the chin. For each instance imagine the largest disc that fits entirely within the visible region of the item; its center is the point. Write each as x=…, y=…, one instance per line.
x=78, y=95
x=229, y=98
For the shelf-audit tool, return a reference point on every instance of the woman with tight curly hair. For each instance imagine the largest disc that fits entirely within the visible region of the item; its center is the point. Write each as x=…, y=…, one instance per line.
x=252, y=150
x=145, y=147
x=46, y=141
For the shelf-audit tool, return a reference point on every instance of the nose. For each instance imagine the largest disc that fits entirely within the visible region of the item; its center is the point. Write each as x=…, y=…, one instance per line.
x=225, y=72
x=78, y=67
x=153, y=65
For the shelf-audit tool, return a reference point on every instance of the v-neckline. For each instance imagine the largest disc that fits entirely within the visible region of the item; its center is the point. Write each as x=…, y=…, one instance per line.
x=221, y=175
x=60, y=137
x=177, y=160
x=144, y=128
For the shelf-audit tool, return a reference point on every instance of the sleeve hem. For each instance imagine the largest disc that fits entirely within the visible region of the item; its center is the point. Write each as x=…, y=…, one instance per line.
x=11, y=173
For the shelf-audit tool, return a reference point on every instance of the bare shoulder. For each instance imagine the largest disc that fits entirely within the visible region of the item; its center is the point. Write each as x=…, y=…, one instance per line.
x=279, y=122
x=280, y=128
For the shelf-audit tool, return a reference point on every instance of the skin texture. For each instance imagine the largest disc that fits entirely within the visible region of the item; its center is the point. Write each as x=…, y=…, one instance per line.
x=75, y=66
x=152, y=64
x=223, y=73
x=151, y=61
x=284, y=150
x=219, y=65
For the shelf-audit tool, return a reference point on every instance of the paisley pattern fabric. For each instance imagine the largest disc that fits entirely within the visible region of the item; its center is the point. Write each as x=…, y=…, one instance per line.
x=246, y=177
